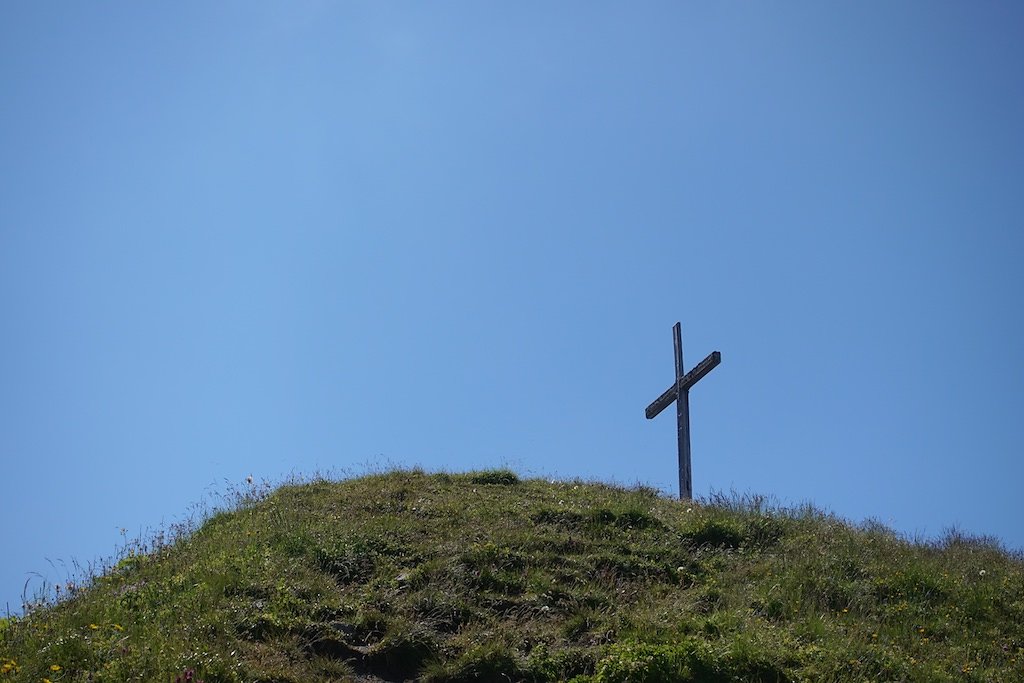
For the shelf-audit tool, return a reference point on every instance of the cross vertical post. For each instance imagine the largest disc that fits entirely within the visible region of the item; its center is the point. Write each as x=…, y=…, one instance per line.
x=680, y=393
x=682, y=419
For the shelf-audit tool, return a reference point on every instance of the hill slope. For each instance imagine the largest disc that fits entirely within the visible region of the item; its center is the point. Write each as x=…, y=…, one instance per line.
x=486, y=577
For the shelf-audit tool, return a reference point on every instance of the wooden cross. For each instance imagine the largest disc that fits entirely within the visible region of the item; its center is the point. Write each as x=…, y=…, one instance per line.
x=680, y=393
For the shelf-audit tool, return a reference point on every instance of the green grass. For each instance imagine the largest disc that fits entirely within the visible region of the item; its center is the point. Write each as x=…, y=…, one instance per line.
x=486, y=577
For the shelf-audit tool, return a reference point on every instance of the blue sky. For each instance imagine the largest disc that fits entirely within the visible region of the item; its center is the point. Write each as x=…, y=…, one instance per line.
x=273, y=238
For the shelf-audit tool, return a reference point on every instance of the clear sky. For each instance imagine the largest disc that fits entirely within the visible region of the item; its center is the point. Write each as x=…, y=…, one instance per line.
x=250, y=238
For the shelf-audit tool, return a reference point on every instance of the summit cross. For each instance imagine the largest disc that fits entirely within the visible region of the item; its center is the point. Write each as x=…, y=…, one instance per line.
x=680, y=393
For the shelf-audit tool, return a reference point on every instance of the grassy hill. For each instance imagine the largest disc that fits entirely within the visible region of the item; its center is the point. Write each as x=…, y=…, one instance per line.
x=486, y=577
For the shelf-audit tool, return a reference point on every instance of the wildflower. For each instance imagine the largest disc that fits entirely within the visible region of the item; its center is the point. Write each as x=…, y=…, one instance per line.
x=93, y=627
x=55, y=667
x=982, y=573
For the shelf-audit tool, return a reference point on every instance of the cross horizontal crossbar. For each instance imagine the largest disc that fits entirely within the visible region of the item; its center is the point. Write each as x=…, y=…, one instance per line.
x=684, y=384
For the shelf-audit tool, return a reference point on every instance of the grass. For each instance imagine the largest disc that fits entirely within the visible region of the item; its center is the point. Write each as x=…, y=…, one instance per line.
x=486, y=577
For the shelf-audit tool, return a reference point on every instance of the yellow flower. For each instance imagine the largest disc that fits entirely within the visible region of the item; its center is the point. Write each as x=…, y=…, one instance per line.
x=47, y=680
x=93, y=626
x=118, y=627
x=55, y=667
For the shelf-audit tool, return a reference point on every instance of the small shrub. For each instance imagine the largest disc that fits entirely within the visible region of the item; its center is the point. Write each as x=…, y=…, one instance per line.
x=560, y=665
x=563, y=518
x=637, y=519
x=501, y=477
x=688, y=661
x=488, y=662
x=763, y=531
x=645, y=663
x=717, y=533
x=403, y=651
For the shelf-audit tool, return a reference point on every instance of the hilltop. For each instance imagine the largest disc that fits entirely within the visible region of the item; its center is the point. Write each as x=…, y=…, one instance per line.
x=487, y=577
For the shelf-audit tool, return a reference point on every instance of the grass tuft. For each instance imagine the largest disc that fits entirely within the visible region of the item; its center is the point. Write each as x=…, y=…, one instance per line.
x=501, y=477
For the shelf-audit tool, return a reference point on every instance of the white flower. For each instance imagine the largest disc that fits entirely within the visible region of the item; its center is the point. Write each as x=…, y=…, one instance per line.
x=982, y=573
